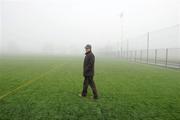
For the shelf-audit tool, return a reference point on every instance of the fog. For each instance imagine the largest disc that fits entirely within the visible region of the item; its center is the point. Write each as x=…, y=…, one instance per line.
x=65, y=26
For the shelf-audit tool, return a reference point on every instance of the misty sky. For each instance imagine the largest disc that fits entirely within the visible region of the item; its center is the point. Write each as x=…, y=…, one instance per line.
x=65, y=26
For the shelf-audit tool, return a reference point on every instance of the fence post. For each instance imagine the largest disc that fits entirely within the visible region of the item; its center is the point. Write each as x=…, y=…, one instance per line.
x=155, y=56
x=166, y=57
x=135, y=55
x=147, y=47
x=132, y=55
x=127, y=48
x=126, y=55
x=141, y=56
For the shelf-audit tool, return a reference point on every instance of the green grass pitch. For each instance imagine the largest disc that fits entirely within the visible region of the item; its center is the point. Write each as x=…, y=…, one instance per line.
x=47, y=88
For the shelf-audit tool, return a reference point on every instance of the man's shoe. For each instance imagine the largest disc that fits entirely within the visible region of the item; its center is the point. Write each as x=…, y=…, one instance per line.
x=95, y=97
x=80, y=95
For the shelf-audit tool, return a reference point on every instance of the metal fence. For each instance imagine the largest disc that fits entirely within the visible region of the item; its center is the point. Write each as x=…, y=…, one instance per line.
x=169, y=57
x=159, y=47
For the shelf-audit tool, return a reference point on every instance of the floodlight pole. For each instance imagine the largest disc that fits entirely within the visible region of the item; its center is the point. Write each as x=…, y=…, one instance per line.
x=1, y=29
x=121, y=18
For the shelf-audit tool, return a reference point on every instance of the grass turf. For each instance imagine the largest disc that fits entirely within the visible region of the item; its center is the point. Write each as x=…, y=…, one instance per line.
x=49, y=89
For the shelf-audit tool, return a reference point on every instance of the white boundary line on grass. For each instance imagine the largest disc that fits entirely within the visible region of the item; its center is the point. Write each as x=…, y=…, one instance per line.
x=28, y=83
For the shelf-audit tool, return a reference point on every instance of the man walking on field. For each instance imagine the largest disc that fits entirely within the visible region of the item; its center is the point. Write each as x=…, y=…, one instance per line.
x=88, y=72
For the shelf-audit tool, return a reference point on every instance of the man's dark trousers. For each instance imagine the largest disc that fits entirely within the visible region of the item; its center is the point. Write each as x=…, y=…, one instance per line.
x=88, y=80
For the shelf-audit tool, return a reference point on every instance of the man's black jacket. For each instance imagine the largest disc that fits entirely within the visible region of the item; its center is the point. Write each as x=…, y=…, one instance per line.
x=89, y=61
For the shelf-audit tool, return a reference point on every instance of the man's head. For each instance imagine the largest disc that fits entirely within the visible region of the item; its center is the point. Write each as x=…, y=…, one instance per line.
x=88, y=48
